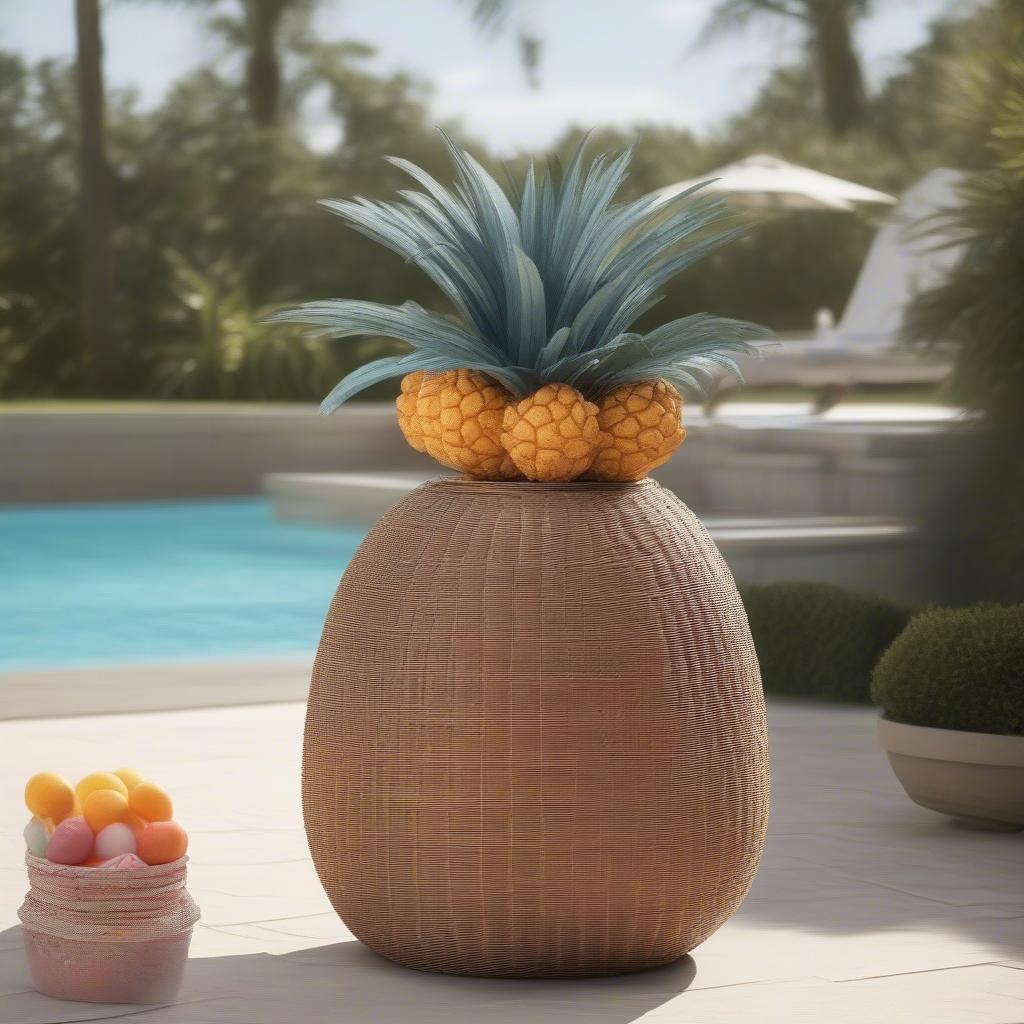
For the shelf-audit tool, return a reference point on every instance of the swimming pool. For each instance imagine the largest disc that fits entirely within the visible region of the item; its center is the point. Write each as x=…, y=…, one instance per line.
x=156, y=582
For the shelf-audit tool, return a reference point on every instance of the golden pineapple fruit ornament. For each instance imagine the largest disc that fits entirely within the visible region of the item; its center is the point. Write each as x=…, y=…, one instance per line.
x=642, y=425
x=405, y=403
x=471, y=416
x=552, y=434
x=428, y=414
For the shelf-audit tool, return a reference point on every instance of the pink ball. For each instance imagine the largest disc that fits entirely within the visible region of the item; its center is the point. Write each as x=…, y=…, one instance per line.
x=71, y=842
x=115, y=840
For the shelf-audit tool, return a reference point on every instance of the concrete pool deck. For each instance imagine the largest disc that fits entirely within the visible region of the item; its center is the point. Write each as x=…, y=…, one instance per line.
x=867, y=909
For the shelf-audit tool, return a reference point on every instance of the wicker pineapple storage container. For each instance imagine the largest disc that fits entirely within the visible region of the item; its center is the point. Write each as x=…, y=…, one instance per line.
x=536, y=741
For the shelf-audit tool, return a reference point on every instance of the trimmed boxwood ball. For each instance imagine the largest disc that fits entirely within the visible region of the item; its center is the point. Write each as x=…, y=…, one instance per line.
x=818, y=640
x=957, y=669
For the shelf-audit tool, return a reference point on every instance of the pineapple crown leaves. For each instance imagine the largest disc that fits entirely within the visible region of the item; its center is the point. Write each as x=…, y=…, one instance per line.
x=545, y=281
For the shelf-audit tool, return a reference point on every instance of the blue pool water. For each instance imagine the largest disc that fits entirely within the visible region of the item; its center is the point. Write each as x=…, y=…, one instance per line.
x=105, y=584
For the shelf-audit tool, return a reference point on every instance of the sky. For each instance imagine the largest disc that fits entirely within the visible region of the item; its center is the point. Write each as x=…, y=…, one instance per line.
x=605, y=61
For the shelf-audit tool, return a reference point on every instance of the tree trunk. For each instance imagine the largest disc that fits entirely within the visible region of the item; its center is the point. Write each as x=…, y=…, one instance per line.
x=839, y=70
x=95, y=219
x=263, y=84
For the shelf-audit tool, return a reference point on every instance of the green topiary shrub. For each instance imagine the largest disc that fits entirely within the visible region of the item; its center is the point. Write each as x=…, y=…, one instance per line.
x=818, y=640
x=957, y=669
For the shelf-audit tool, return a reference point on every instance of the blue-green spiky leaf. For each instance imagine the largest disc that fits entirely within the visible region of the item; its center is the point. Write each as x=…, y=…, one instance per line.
x=545, y=285
x=527, y=323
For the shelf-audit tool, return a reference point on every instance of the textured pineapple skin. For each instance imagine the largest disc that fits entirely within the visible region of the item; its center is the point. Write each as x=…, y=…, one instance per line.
x=642, y=425
x=472, y=412
x=552, y=434
x=428, y=413
x=405, y=403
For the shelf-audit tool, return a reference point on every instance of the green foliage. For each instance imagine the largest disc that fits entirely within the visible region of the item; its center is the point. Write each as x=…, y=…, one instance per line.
x=547, y=283
x=828, y=33
x=981, y=306
x=956, y=669
x=907, y=113
x=38, y=231
x=818, y=640
x=226, y=349
x=194, y=176
x=979, y=309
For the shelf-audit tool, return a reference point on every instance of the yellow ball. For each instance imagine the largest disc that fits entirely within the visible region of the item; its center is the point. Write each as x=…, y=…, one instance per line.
x=102, y=807
x=130, y=777
x=99, y=780
x=47, y=795
x=151, y=802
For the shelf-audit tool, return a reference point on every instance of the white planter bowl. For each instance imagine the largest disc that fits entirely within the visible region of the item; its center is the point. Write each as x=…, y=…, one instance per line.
x=976, y=777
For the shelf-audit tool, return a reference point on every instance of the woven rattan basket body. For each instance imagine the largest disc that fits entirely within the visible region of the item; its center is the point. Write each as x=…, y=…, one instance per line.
x=536, y=738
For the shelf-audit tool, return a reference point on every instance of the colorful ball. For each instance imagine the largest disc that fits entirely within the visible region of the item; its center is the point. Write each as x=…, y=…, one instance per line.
x=115, y=840
x=162, y=841
x=37, y=838
x=71, y=842
x=135, y=823
x=130, y=777
x=99, y=780
x=151, y=802
x=47, y=795
x=103, y=807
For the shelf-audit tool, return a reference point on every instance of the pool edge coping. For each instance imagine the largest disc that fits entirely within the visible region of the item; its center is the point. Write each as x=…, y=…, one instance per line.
x=132, y=688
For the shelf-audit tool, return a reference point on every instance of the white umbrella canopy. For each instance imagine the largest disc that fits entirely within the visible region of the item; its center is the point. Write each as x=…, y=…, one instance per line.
x=767, y=181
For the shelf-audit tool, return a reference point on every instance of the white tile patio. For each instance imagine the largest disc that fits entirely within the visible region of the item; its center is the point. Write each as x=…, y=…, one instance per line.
x=866, y=909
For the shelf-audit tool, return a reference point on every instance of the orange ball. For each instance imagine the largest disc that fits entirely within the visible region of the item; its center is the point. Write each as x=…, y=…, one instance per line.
x=99, y=780
x=149, y=801
x=160, y=842
x=135, y=823
x=47, y=795
x=130, y=777
x=102, y=807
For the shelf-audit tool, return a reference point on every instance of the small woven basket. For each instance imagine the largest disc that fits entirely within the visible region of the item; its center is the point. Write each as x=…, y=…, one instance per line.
x=107, y=936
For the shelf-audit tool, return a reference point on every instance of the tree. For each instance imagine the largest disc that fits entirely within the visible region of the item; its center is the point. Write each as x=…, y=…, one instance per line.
x=95, y=205
x=828, y=29
x=221, y=224
x=257, y=30
x=906, y=113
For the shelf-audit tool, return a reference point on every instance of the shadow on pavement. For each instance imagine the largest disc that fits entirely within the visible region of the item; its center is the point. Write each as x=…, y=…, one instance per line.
x=849, y=854
x=345, y=982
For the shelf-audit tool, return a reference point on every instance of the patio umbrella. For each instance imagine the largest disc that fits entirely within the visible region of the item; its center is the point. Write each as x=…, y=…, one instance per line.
x=766, y=181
